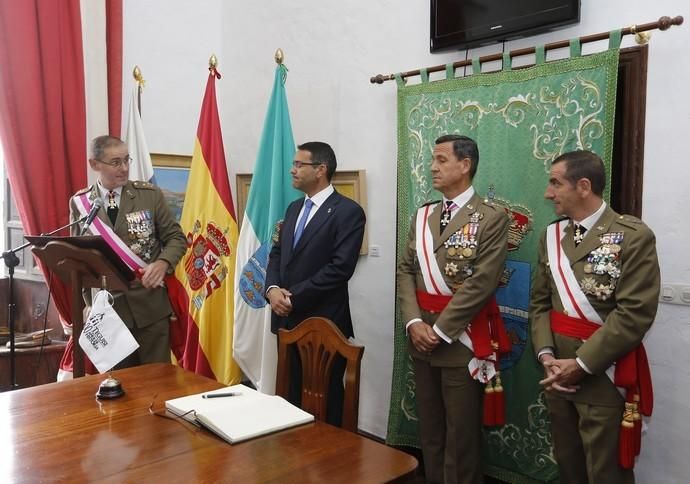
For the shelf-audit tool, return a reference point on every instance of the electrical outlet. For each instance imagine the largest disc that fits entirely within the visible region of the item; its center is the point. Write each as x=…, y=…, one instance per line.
x=375, y=250
x=675, y=294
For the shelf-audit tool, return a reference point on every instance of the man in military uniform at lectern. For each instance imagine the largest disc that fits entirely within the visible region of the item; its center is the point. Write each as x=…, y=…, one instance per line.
x=594, y=296
x=446, y=279
x=136, y=222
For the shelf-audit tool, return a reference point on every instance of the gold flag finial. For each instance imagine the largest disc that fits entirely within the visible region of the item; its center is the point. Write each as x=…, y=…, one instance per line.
x=213, y=61
x=138, y=76
x=279, y=56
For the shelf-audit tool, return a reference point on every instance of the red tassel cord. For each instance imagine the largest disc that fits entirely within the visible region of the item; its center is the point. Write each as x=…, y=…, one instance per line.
x=489, y=405
x=626, y=443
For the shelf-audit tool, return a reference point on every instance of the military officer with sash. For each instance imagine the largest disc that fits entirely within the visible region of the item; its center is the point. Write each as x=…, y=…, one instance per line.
x=446, y=279
x=594, y=297
x=136, y=222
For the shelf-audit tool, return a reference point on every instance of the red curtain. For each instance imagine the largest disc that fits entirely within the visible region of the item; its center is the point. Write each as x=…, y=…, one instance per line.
x=43, y=113
x=113, y=39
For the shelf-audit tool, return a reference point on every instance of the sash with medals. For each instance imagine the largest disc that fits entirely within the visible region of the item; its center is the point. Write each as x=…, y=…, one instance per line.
x=485, y=336
x=630, y=373
x=97, y=227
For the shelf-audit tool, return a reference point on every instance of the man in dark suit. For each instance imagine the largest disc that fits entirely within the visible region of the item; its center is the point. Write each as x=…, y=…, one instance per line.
x=137, y=213
x=448, y=272
x=313, y=259
x=594, y=297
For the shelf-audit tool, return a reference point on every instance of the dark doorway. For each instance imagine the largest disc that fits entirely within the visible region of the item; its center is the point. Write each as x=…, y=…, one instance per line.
x=627, y=162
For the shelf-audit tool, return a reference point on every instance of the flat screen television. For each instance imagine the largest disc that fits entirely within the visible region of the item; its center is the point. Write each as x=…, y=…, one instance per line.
x=462, y=24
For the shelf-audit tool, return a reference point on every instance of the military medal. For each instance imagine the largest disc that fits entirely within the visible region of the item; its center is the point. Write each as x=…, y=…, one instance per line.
x=139, y=230
x=453, y=242
x=603, y=261
x=476, y=217
x=451, y=269
x=445, y=220
x=466, y=252
x=473, y=227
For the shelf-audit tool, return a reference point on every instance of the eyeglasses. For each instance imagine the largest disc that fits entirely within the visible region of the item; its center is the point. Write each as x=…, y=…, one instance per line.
x=177, y=418
x=118, y=162
x=300, y=164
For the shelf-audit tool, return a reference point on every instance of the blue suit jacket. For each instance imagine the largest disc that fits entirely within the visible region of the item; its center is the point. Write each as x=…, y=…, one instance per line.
x=317, y=270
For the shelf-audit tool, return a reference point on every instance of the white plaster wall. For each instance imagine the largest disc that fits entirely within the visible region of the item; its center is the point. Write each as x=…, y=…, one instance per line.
x=331, y=49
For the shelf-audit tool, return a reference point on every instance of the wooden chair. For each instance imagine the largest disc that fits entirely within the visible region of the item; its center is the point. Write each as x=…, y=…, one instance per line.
x=318, y=340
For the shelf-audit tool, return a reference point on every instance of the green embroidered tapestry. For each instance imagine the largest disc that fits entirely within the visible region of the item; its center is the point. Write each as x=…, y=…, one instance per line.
x=521, y=119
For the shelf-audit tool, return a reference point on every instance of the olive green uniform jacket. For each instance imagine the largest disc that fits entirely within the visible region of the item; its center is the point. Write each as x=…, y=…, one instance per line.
x=474, y=282
x=139, y=306
x=628, y=312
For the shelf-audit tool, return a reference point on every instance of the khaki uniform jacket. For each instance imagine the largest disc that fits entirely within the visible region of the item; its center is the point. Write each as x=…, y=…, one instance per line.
x=140, y=306
x=474, y=283
x=627, y=313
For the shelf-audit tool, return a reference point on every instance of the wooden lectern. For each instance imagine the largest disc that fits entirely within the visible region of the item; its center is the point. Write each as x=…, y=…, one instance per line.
x=82, y=263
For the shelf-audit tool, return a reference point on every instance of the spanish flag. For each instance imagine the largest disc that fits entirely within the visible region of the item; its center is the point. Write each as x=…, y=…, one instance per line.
x=202, y=290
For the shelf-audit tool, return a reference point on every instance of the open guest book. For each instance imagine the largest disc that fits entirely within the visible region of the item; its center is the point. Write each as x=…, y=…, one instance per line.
x=243, y=415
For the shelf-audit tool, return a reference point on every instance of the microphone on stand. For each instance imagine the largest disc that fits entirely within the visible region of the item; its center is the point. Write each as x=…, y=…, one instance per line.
x=97, y=204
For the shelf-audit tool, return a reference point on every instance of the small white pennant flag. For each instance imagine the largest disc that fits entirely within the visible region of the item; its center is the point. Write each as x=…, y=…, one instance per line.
x=105, y=339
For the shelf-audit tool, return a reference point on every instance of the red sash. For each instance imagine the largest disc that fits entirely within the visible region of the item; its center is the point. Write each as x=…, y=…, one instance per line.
x=632, y=373
x=632, y=369
x=486, y=324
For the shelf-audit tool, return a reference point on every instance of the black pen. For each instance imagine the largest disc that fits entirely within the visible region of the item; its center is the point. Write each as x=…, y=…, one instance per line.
x=219, y=395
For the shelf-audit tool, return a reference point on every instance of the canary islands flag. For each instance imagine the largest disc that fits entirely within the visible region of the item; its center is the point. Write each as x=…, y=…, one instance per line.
x=254, y=346
x=202, y=290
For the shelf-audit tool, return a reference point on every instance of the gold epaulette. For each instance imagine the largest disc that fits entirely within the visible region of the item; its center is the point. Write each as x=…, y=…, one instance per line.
x=143, y=184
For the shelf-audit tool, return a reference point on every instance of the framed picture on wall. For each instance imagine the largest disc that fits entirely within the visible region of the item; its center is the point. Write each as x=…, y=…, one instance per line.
x=351, y=184
x=172, y=174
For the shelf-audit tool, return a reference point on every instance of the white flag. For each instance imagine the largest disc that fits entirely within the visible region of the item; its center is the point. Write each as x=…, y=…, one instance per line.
x=141, y=168
x=105, y=339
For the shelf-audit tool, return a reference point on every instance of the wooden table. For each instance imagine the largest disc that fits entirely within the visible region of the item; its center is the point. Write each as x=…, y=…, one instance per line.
x=60, y=432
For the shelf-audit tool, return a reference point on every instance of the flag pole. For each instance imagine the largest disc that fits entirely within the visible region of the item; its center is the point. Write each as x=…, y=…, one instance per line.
x=279, y=56
x=140, y=81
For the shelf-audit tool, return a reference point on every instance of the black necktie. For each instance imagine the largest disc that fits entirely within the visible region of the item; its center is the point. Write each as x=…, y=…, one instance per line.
x=446, y=213
x=579, y=233
x=112, y=207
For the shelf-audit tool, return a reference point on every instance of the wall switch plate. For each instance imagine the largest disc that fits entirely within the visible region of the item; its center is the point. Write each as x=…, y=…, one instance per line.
x=375, y=250
x=675, y=294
